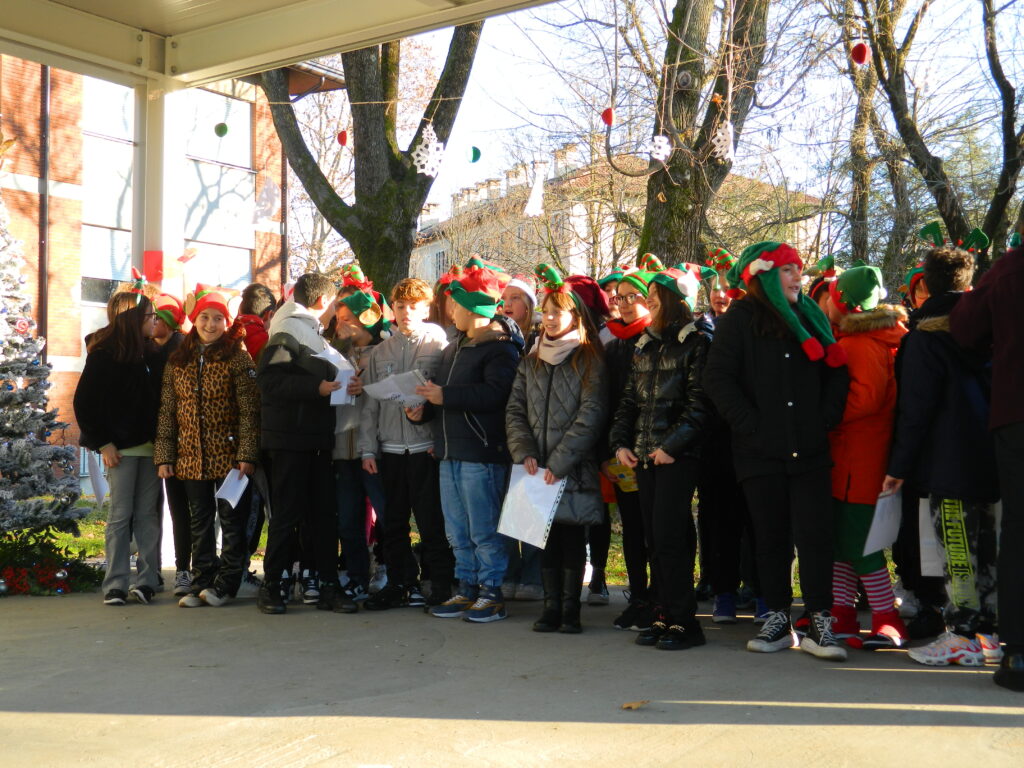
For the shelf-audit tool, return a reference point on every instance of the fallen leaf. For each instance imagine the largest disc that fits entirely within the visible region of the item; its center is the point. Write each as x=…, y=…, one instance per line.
x=635, y=704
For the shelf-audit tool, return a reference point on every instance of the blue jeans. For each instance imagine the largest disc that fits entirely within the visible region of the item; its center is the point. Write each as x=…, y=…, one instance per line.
x=352, y=486
x=471, y=496
x=523, y=563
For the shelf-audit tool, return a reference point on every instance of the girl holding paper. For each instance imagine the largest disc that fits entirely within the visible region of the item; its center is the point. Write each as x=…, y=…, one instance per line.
x=554, y=420
x=657, y=430
x=209, y=426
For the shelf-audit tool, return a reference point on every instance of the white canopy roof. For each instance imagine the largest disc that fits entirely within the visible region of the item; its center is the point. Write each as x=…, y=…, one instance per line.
x=179, y=43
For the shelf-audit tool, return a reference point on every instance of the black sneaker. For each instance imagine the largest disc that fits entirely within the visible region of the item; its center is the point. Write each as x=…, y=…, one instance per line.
x=819, y=640
x=652, y=634
x=416, y=598
x=115, y=597
x=928, y=623
x=271, y=598
x=143, y=594
x=439, y=594
x=310, y=588
x=703, y=591
x=333, y=598
x=776, y=634
x=636, y=617
x=679, y=637
x=390, y=596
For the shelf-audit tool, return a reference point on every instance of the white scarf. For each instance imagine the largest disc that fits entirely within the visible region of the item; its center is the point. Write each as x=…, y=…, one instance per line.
x=554, y=351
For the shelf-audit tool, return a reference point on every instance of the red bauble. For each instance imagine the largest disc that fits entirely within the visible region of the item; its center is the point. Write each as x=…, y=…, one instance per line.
x=861, y=54
x=608, y=117
x=343, y=138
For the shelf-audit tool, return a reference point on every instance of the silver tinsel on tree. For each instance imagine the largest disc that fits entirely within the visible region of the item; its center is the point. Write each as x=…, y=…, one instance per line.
x=31, y=495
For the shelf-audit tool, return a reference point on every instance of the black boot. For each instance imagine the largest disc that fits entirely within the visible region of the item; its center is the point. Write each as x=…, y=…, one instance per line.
x=270, y=599
x=572, y=585
x=334, y=598
x=551, y=618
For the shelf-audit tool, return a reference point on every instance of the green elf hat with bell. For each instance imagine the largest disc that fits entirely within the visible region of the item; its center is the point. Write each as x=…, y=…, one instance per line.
x=858, y=289
x=681, y=281
x=352, y=276
x=762, y=260
x=719, y=260
x=364, y=307
x=478, y=290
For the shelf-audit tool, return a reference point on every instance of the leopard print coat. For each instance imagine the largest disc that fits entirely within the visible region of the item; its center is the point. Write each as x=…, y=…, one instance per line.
x=209, y=417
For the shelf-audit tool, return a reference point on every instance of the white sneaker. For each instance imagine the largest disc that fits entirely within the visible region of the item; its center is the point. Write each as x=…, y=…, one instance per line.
x=190, y=601
x=906, y=601
x=379, y=580
x=249, y=587
x=213, y=596
x=949, y=648
x=182, y=583
x=990, y=647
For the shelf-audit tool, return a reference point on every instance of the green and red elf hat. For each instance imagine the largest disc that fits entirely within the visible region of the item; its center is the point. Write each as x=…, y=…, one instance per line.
x=478, y=262
x=444, y=282
x=977, y=240
x=614, y=276
x=681, y=281
x=719, y=260
x=650, y=263
x=910, y=280
x=761, y=261
x=477, y=290
x=824, y=272
x=352, y=276
x=207, y=297
x=169, y=309
x=858, y=289
x=586, y=293
x=365, y=307
x=138, y=285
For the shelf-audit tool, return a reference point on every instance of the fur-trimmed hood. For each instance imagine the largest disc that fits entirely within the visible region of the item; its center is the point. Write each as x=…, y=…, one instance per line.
x=881, y=317
x=932, y=324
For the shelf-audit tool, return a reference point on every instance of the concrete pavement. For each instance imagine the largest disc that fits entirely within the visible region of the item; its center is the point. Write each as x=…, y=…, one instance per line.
x=86, y=684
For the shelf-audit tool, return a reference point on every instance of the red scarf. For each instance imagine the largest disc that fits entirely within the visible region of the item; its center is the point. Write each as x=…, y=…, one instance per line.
x=622, y=331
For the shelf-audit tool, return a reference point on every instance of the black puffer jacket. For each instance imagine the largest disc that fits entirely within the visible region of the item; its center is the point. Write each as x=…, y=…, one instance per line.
x=116, y=402
x=476, y=377
x=663, y=404
x=942, y=442
x=557, y=414
x=779, y=404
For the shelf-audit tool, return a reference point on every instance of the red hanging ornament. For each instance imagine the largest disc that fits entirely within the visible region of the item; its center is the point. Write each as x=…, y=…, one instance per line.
x=608, y=117
x=861, y=54
x=343, y=138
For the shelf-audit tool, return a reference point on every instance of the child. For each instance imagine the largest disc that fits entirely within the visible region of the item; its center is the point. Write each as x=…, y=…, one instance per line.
x=630, y=299
x=254, y=313
x=778, y=378
x=468, y=409
x=297, y=429
x=167, y=337
x=358, y=326
x=209, y=425
x=554, y=419
x=116, y=405
x=400, y=450
x=869, y=333
x=657, y=430
x=942, y=443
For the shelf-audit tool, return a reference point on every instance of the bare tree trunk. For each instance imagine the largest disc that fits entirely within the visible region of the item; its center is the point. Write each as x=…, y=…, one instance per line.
x=380, y=226
x=679, y=195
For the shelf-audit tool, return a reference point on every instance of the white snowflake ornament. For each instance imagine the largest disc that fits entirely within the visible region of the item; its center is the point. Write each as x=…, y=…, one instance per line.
x=660, y=148
x=722, y=142
x=427, y=156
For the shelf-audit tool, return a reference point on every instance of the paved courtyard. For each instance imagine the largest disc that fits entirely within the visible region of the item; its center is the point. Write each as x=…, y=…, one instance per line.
x=83, y=684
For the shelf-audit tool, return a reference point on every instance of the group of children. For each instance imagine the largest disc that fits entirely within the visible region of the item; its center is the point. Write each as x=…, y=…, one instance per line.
x=777, y=406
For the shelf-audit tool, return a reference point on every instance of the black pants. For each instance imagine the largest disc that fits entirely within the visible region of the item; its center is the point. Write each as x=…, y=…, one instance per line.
x=566, y=548
x=723, y=518
x=666, y=495
x=173, y=490
x=302, y=493
x=224, y=573
x=906, y=553
x=411, y=485
x=599, y=537
x=634, y=546
x=787, y=510
x=1009, y=444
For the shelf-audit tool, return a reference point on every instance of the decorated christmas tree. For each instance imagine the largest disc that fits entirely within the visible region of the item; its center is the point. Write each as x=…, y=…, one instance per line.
x=34, y=502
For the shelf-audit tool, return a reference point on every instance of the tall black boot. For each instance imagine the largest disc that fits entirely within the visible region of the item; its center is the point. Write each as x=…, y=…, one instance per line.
x=551, y=618
x=572, y=585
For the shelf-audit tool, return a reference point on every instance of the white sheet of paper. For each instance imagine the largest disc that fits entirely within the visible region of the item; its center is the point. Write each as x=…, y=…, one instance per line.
x=933, y=554
x=99, y=482
x=885, y=525
x=398, y=386
x=232, y=488
x=529, y=507
x=345, y=371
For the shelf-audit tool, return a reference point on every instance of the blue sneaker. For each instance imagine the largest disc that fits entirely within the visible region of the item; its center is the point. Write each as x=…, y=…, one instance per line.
x=760, y=611
x=490, y=606
x=725, y=609
x=456, y=606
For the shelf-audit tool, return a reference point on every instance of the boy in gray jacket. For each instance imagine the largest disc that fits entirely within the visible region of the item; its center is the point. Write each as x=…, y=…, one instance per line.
x=400, y=451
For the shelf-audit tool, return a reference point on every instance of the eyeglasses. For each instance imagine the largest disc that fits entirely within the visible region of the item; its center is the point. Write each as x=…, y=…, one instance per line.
x=629, y=298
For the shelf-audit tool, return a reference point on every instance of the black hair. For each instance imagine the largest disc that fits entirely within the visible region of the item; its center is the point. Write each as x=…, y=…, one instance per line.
x=948, y=269
x=256, y=299
x=311, y=287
